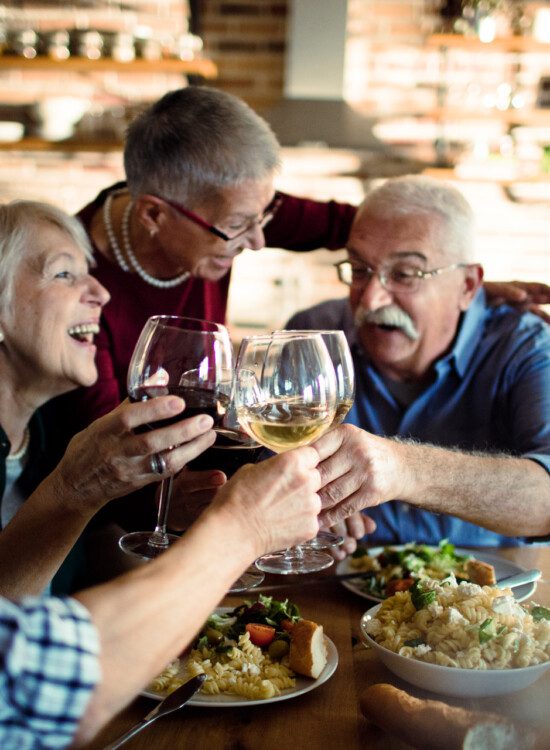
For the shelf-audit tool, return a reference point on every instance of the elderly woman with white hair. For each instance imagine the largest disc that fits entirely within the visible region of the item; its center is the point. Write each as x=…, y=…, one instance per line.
x=50, y=308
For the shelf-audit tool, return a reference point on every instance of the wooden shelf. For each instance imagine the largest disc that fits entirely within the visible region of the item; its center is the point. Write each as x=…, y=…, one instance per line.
x=39, y=144
x=450, y=173
x=510, y=116
x=504, y=44
x=202, y=67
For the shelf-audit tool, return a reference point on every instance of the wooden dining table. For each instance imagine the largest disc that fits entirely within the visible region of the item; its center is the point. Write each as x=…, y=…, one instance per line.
x=328, y=716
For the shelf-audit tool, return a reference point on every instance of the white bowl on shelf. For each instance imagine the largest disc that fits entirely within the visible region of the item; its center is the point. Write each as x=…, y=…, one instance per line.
x=10, y=131
x=463, y=683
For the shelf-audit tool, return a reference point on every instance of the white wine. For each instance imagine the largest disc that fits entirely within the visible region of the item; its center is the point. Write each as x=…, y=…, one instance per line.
x=342, y=408
x=281, y=426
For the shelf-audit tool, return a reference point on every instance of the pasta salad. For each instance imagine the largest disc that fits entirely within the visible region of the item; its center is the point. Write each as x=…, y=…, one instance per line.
x=243, y=652
x=462, y=625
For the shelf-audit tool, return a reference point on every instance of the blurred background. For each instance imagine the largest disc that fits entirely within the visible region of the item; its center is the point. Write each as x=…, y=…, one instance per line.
x=356, y=91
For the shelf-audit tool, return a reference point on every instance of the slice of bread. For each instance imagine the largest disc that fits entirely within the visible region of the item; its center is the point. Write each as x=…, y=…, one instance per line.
x=308, y=652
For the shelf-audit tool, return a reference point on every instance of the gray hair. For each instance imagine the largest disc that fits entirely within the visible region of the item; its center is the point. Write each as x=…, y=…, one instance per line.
x=195, y=141
x=19, y=224
x=413, y=195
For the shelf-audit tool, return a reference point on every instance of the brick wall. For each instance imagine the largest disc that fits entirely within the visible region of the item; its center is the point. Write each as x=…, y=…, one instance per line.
x=247, y=40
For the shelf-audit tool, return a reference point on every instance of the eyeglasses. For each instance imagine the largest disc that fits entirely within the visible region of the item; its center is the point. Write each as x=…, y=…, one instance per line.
x=266, y=216
x=399, y=277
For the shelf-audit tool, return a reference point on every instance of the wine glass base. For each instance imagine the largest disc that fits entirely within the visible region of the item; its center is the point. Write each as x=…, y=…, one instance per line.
x=138, y=544
x=288, y=562
x=324, y=540
x=249, y=580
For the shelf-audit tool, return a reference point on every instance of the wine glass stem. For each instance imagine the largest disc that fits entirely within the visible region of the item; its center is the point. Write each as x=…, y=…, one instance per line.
x=159, y=537
x=291, y=553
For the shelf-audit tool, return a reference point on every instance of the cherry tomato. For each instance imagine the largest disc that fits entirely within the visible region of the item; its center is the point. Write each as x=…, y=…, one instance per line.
x=260, y=635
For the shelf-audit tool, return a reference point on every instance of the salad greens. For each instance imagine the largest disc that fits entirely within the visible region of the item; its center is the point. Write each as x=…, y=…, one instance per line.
x=421, y=598
x=406, y=564
x=222, y=631
x=540, y=613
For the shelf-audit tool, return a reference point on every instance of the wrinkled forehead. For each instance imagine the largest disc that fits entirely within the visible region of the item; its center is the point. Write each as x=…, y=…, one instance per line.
x=381, y=239
x=48, y=241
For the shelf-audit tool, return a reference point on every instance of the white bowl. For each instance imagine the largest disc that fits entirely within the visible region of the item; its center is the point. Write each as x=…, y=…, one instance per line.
x=10, y=132
x=466, y=683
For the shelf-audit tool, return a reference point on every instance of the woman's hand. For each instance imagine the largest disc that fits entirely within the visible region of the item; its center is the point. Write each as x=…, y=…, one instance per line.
x=192, y=492
x=525, y=295
x=273, y=504
x=352, y=529
x=108, y=459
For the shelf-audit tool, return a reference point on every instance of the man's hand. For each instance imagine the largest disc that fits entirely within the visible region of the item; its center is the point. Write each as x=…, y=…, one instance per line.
x=358, y=470
x=525, y=295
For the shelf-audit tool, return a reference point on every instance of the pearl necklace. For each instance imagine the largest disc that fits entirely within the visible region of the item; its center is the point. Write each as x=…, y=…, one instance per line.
x=125, y=227
x=18, y=455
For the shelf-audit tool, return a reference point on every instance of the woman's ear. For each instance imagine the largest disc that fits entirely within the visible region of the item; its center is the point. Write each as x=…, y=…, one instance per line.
x=473, y=279
x=149, y=211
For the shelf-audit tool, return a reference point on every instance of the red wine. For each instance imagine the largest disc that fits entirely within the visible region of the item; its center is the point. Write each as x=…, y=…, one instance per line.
x=197, y=401
x=227, y=454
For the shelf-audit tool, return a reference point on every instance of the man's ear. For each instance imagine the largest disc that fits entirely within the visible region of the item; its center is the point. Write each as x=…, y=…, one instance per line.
x=473, y=279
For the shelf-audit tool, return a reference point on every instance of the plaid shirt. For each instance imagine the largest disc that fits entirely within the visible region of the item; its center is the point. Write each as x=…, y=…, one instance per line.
x=49, y=651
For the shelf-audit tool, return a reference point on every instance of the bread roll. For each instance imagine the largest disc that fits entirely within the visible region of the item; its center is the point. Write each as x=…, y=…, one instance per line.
x=433, y=725
x=481, y=573
x=308, y=653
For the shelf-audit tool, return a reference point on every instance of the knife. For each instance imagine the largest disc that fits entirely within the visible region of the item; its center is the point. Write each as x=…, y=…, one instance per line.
x=518, y=579
x=171, y=703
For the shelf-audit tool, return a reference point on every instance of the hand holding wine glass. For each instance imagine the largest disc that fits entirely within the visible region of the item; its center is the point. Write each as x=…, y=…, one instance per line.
x=285, y=395
x=188, y=358
x=340, y=354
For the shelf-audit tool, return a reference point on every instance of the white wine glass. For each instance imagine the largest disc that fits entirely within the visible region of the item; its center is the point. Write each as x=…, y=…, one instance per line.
x=285, y=396
x=185, y=357
x=340, y=354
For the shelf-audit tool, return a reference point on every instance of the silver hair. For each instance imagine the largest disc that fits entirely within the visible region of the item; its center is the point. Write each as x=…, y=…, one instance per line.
x=414, y=195
x=20, y=222
x=196, y=141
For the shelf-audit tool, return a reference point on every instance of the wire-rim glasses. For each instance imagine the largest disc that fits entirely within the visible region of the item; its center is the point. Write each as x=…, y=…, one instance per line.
x=398, y=277
x=267, y=214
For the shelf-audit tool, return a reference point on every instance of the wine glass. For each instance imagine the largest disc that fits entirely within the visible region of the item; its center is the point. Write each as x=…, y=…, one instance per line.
x=340, y=354
x=232, y=449
x=188, y=358
x=285, y=396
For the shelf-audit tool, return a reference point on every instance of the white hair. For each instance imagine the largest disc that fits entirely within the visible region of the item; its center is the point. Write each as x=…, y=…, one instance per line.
x=416, y=195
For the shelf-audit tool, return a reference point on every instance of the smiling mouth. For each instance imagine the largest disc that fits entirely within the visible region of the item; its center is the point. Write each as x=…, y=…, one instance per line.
x=84, y=333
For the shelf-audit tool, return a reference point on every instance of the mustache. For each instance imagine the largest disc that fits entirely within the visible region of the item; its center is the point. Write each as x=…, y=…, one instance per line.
x=389, y=315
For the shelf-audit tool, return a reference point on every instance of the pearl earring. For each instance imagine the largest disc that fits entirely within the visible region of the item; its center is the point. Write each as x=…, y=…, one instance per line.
x=153, y=232
x=1, y=337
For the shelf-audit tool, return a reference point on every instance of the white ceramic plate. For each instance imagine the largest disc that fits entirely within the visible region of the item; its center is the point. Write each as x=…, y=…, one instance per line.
x=503, y=569
x=303, y=685
x=465, y=683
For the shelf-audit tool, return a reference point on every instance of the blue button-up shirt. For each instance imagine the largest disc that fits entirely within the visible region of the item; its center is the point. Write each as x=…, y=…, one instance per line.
x=491, y=393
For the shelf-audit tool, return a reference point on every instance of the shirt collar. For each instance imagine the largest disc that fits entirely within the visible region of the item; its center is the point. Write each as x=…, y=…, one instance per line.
x=470, y=331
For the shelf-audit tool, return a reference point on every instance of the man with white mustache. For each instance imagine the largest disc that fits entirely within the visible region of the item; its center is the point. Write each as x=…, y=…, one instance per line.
x=452, y=395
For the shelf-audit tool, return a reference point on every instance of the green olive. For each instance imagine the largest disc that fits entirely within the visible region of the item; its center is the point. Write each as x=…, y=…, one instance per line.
x=277, y=649
x=213, y=636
